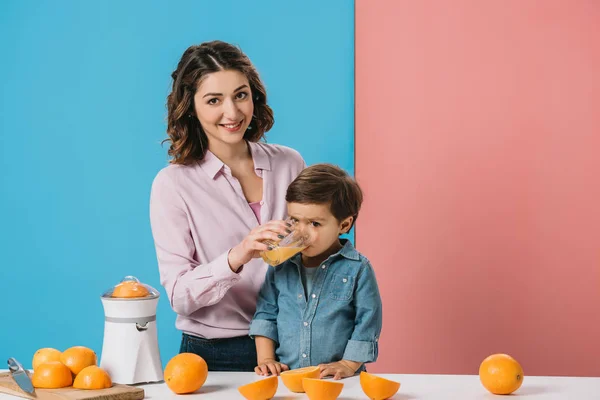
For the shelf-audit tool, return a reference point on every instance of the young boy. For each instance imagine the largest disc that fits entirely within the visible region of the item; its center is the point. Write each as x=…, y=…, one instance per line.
x=322, y=306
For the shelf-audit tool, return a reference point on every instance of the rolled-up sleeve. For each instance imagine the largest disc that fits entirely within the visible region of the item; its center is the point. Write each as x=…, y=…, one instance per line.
x=264, y=322
x=363, y=344
x=189, y=285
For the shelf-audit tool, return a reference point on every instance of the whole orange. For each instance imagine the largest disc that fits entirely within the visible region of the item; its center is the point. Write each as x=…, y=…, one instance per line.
x=45, y=355
x=185, y=373
x=78, y=357
x=501, y=374
x=52, y=375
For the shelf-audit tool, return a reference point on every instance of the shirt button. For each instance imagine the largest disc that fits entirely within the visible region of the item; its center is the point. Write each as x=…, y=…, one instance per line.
x=344, y=280
x=314, y=296
x=299, y=296
x=262, y=202
x=305, y=323
x=303, y=355
x=324, y=266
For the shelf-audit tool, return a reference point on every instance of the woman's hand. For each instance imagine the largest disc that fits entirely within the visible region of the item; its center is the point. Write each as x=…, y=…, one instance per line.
x=253, y=244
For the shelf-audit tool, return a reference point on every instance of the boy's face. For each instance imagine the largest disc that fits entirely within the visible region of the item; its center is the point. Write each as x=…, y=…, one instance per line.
x=323, y=227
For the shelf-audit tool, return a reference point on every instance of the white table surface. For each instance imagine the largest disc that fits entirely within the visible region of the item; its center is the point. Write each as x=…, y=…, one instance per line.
x=223, y=385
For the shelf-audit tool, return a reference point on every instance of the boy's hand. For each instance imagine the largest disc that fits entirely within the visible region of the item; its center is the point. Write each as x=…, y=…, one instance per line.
x=340, y=369
x=270, y=366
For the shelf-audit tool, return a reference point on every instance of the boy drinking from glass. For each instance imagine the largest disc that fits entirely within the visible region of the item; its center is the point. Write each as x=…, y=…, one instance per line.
x=322, y=306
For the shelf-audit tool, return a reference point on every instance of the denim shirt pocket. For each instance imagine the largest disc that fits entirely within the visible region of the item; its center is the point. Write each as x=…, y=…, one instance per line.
x=342, y=287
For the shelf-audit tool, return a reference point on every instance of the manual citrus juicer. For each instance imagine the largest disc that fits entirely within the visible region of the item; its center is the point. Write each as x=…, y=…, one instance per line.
x=130, y=351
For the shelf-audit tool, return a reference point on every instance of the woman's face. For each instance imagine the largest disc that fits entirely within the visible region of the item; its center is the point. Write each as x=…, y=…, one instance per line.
x=224, y=107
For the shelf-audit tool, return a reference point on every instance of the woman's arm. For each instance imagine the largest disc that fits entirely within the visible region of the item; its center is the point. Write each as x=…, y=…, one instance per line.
x=189, y=285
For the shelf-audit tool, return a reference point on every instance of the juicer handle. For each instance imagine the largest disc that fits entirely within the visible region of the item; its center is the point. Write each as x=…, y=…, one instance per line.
x=141, y=328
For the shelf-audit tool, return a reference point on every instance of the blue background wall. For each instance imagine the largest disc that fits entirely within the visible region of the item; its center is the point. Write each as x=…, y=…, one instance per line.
x=82, y=114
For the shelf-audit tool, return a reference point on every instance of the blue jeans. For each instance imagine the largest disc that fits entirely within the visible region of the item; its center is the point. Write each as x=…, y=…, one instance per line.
x=231, y=354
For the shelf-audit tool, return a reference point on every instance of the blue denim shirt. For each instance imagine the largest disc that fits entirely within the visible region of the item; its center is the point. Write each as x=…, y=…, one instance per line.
x=340, y=319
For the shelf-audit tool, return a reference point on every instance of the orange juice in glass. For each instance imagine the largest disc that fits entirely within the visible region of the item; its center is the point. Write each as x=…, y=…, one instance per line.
x=288, y=247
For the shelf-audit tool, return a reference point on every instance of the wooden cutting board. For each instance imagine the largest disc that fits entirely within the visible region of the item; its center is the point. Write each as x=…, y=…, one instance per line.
x=116, y=392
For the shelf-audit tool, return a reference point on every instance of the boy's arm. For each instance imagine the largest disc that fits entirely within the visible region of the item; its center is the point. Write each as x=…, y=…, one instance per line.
x=267, y=365
x=265, y=349
x=264, y=322
x=362, y=346
x=353, y=365
x=339, y=369
x=263, y=327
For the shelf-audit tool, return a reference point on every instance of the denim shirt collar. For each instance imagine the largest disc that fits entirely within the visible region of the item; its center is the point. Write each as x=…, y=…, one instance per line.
x=347, y=251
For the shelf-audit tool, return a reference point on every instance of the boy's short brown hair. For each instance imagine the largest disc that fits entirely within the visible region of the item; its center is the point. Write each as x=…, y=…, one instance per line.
x=327, y=184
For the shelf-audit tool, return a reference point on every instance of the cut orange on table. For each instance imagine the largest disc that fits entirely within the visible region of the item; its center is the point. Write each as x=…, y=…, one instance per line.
x=45, y=355
x=376, y=387
x=52, y=375
x=293, y=379
x=318, y=389
x=500, y=374
x=92, y=377
x=185, y=373
x=77, y=358
x=263, y=389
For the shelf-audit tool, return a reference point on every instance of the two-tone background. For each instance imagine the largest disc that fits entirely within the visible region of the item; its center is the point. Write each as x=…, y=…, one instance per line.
x=473, y=128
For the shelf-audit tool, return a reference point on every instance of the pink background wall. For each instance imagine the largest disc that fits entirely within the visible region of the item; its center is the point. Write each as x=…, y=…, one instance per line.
x=478, y=147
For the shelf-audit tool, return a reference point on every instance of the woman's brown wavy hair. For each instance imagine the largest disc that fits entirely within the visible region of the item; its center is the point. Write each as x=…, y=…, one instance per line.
x=188, y=140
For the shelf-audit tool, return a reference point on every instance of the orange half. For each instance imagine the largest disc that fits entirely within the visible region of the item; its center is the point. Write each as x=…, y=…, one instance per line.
x=263, y=389
x=130, y=289
x=376, y=387
x=318, y=389
x=293, y=379
x=92, y=378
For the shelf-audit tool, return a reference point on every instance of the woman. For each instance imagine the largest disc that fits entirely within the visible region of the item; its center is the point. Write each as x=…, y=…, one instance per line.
x=222, y=195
